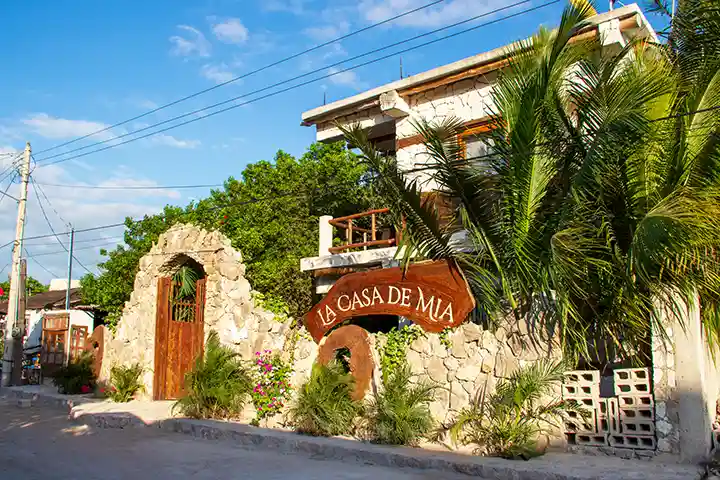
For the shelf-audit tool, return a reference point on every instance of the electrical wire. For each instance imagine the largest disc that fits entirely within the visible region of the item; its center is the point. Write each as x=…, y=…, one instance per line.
x=4, y=192
x=104, y=239
x=302, y=84
x=27, y=254
x=42, y=192
x=42, y=209
x=45, y=254
x=132, y=187
x=258, y=70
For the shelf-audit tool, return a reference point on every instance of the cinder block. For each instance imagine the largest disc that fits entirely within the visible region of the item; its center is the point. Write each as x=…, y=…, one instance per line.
x=577, y=424
x=582, y=377
x=602, y=423
x=613, y=416
x=637, y=414
x=575, y=391
x=596, y=440
x=633, y=441
x=632, y=381
x=636, y=401
x=637, y=427
x=640, y=407
x=24, y=402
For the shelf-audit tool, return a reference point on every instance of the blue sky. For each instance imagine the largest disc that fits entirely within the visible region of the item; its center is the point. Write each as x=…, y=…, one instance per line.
x=71, y=67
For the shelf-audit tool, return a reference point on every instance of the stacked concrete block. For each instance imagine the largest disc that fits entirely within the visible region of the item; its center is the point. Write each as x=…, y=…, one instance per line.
x=583, y=386
x=635, y=410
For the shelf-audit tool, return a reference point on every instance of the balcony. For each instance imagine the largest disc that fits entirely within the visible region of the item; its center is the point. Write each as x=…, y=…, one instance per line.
x=366, y=241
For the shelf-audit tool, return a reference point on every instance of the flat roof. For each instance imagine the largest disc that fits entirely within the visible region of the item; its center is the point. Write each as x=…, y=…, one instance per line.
x=311, y=117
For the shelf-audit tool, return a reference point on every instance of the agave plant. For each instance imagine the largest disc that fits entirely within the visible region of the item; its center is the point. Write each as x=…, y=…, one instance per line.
x=600, y=202
x=509, y=422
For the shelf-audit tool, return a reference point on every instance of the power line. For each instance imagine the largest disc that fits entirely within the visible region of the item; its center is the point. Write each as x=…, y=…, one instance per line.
x=261, y=69
x=45, y=254
x=105, y=239
x=4, y=192
x=42, y=209
x=132, y=187
x=39, y=264
x=42, y=192
x=81, y=264
x=302, y=84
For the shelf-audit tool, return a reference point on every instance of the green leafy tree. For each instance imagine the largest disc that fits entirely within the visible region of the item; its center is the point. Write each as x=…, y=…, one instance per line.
x=601, y=198
x=33, y=287
x=270, y=215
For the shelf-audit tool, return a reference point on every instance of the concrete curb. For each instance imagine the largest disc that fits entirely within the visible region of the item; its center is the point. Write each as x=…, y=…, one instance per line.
x=550, y=467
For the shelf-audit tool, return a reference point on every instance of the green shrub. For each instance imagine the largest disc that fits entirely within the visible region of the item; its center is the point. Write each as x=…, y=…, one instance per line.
x=218, y=385
x=324, y=406
x=125, y=382
x=509, y=422
x=77, y=376
x=400, y=413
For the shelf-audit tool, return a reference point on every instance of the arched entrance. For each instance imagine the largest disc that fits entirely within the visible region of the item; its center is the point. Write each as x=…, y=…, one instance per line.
x=179, y=332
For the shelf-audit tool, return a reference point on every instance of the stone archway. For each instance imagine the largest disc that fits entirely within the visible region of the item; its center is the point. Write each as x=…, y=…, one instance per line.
x=228, y=307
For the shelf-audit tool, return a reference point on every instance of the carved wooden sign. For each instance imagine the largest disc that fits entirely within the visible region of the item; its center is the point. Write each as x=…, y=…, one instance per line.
x=434, y=295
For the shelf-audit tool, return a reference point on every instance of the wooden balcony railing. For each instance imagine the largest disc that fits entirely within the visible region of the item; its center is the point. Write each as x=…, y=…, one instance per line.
x=362, y=237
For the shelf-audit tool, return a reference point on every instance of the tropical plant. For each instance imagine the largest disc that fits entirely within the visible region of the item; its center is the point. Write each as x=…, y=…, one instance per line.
x=186, y=278
x=125, y=382
x=509, y=422
x=77, y=376
x=599, y=204
x=218, y=385
x=399, y=414
x=271, y=377
x=324, y=406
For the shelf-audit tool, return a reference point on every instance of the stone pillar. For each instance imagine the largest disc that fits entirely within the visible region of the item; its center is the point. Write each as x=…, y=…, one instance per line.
x=684, y=386
x=326, y=235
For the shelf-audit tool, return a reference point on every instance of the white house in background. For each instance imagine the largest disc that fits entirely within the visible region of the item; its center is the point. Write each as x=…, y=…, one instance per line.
x=461, y=89
x=60, y=333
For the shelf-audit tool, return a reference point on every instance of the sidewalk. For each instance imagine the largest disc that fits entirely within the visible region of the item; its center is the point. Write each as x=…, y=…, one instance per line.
x=553, y=466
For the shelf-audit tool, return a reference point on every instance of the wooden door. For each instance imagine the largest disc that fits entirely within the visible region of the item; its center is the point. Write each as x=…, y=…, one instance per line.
x=179, y=336
x=78, y=338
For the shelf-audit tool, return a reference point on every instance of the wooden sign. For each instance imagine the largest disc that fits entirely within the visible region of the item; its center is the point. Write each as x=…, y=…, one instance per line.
x=434, y=295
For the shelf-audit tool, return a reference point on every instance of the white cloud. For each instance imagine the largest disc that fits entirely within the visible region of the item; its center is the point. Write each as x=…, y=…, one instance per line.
x=445, y=13
x=219, y=73
x=348, y=78
x=170, y=141
x=59, y=128
x=194, y=43
x=328, y=32
x=231, y=31
x=296, y=7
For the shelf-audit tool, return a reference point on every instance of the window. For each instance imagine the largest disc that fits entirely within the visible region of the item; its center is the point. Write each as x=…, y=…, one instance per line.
x=477, y=144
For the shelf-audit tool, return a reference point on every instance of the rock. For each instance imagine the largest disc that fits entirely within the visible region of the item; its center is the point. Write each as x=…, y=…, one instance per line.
x=452, y=364
x=458, y=350
x=471, y=332
x=505, y=365
x=468, y=372
x=459, y=398
x=488, y=363
x=436, y=370
x=437, y=349
x=420, y=345
x=414, y=359
x=664, y=427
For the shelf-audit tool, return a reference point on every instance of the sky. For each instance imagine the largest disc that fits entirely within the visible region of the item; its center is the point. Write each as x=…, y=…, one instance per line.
x=73, y=67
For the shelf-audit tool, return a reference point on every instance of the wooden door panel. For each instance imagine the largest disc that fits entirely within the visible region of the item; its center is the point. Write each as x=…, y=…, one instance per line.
x=179, y=339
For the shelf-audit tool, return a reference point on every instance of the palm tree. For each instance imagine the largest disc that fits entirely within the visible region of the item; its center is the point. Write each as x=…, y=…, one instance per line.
x=599, y=202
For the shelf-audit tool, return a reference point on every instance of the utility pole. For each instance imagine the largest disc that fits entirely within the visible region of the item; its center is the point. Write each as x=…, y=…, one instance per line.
x=20, y=326
x=70, y=261
x=11, y=320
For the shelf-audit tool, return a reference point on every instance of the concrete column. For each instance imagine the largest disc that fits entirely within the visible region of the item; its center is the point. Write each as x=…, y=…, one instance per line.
x=326, y=236
x=693, y=388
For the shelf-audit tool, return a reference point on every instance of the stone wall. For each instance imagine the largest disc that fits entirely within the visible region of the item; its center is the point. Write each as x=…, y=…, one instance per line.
x=665, y=393
x=473, y=359
x=229, y=308
x=466, y=100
